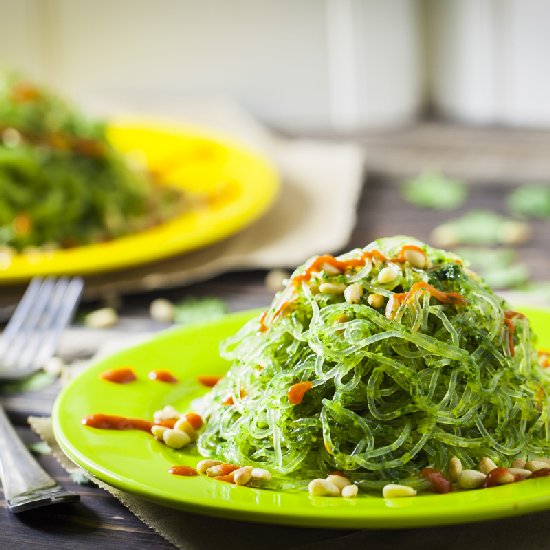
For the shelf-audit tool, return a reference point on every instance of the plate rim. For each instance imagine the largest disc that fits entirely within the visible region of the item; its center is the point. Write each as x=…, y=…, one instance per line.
x=313, y=516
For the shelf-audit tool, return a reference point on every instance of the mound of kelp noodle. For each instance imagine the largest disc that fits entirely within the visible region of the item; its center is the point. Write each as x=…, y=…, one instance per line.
x=379, y=363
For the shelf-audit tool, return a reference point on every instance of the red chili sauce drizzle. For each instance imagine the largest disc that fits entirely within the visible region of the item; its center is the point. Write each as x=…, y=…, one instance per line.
x=342, y=265
x=453, y=298
x=114, y=422
x=209, y=381
x=186, y=471
x=123, y=375
x=508, y=316
x=163, y=376
x=297, y=391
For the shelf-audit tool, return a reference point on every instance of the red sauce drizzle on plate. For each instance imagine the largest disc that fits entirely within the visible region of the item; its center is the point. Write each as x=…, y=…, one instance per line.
x=114, y=422
x=186, y=471
x=163, y=376
x=123, y=375
x=209, y=381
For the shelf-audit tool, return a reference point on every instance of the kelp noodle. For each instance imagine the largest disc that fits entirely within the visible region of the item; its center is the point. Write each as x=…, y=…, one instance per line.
x=442, y=369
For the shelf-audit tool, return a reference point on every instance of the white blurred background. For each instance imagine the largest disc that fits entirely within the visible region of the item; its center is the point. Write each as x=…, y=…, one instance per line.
x=296, y=64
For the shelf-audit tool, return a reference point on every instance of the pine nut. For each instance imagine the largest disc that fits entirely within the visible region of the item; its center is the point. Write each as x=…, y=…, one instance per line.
x=158, y=431
x=415, y=258
x=391, y=307
x=471, y=479
x=519, y=463
x=101, y=318
x=204, y=465
x=520, y=473
x=54, y=366
x=486, y=465
x=175, y=439
x=275, y=279
x=162, y=310
x=183, y=425
x=260, y=474
x=513, y=232
x=499, y=476
x=388, y=274
x=330, y=269
x=444, y=236
x=219, y=470
x=349, y=491
x=166, y=413
x=393, y=490
x=353, y=293
x=455, y=468
x=316, y=488
x=322, y=488
x=332, y=288
x=339, y=481
x=243, y=475
x=534, y=465
x=11, y=137
x=375, y=300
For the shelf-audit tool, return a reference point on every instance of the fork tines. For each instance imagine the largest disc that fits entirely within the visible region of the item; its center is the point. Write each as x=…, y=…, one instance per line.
x=32, y=334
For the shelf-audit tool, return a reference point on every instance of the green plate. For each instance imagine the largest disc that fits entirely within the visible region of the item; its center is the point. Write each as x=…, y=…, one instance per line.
x=135, y=462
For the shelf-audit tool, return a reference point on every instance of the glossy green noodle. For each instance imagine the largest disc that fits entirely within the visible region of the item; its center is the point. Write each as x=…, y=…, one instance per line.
x=389, y=397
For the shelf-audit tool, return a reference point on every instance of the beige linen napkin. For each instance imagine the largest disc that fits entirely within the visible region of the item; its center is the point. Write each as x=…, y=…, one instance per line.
x=314, y=213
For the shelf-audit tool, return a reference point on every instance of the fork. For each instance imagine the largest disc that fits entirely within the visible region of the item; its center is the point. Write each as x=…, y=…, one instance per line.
x=28, y=341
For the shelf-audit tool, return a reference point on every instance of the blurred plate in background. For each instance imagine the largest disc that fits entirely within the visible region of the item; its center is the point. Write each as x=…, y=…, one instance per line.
x=237, y=186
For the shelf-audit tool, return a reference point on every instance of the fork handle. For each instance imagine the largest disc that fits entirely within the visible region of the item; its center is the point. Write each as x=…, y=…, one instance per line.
x=23, y=479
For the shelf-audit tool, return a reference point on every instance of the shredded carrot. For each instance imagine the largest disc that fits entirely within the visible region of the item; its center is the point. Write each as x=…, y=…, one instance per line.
x=297, y=391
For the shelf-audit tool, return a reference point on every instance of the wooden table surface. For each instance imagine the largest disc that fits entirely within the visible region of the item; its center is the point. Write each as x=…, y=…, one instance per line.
x=100, y=521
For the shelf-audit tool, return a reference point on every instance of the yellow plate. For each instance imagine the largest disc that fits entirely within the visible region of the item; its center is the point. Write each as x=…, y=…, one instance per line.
x=241, y=186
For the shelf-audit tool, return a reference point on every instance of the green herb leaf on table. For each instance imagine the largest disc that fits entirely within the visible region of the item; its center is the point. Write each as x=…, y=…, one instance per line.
x=194, y=310
x=498, y=266
x=79, y=477
x=39, y=448
x=433, y=190
x=481, y=227
x=530, y=200
x=36, y=381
